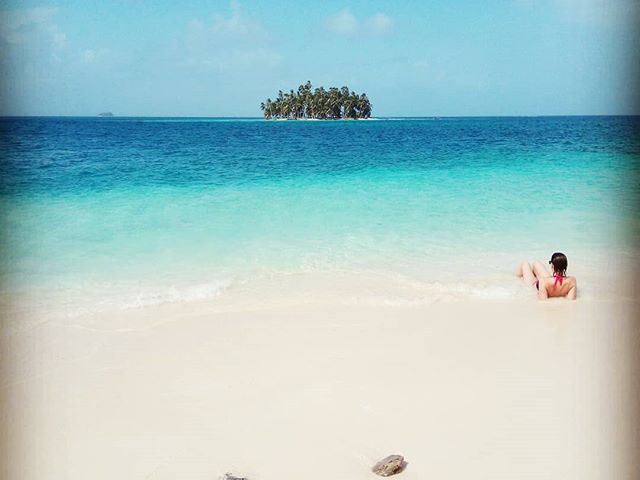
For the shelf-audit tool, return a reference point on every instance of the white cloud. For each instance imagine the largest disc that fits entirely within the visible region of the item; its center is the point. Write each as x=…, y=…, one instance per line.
x=228, y=43
x=601, y=12
x=30, y=41
x=13, y=22
x=237, y=24
x=379, y=24
x=598, y=13
x=33, y=56
x=93, y=56
x=27, y=25
x=343, y=22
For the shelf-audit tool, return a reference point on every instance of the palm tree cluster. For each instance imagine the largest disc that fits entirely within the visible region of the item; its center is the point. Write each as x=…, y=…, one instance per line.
x=332, y=104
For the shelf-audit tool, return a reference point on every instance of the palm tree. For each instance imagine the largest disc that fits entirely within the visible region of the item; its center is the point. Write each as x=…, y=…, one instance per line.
x=307, y=102
x=364, y=106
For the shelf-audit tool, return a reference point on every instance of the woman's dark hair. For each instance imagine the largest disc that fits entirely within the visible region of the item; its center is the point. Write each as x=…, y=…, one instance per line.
x=559, y=262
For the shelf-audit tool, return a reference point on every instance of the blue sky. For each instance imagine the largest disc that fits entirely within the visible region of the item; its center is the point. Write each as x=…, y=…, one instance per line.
x=221, y=58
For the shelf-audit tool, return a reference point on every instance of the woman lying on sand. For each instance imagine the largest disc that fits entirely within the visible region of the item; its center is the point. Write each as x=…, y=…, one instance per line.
x=556, y=285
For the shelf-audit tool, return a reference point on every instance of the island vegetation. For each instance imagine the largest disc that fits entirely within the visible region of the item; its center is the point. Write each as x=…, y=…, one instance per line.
x=308, y=103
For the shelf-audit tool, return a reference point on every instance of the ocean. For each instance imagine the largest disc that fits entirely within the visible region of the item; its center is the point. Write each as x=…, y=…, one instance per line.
x=121, y=213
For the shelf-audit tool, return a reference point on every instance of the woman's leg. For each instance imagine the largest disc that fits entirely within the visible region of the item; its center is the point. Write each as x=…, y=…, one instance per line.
x=524, y=271
x=540, y=271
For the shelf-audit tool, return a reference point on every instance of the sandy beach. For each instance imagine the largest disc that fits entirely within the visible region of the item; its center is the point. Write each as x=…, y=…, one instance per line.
x=319, y=389
x=281, y=240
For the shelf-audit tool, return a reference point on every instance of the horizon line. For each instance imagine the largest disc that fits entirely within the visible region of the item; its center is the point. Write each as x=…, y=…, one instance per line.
x=382, y=117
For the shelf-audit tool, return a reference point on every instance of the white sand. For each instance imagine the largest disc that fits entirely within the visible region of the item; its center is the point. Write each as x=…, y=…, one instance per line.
x=322, y=390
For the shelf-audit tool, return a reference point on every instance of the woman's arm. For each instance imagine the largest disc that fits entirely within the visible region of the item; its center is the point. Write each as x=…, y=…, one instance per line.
x=573, y=292
x=542, y=290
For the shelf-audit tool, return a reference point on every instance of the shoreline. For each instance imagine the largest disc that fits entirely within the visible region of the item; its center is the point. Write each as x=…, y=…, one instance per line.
x=599, y=280
x=320, y=119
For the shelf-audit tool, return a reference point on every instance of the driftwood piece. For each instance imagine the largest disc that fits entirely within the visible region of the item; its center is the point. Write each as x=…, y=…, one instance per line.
x=390, y=465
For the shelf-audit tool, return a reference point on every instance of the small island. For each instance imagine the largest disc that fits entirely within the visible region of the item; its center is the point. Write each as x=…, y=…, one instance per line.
x=318, y=104
x=105, y=114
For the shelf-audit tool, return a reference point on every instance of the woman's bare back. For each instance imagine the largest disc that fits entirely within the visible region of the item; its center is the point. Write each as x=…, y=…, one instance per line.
x=557, y=287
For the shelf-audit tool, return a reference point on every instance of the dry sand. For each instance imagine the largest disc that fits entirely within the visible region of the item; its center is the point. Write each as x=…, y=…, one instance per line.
x=322, y=390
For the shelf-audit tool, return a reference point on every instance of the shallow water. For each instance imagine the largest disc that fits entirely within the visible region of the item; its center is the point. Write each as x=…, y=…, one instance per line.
x=137, y=211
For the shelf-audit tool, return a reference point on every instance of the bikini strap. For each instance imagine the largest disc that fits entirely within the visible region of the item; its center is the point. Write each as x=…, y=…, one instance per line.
x=559, y=279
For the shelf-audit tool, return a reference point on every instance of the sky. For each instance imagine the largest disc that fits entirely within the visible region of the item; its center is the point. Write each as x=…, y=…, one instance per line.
x=412, y=58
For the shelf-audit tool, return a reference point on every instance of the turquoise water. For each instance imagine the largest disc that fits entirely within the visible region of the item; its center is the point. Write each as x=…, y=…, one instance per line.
x=178, y=209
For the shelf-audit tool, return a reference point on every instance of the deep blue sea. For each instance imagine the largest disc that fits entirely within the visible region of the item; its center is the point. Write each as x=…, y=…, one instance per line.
x=153, y=210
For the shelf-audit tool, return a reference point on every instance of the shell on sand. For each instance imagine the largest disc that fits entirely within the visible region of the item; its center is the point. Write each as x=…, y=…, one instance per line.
x=389, y=466
x=228, y=476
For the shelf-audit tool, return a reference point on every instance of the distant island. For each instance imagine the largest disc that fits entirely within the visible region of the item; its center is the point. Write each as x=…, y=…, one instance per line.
x=319, y=104
x=105, y=114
